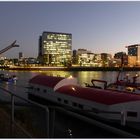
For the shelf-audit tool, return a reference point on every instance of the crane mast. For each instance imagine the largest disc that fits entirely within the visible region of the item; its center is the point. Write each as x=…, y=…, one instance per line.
x=9, y=47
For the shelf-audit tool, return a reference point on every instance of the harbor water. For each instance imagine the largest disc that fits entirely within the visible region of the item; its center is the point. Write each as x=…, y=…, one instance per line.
x=83, y=77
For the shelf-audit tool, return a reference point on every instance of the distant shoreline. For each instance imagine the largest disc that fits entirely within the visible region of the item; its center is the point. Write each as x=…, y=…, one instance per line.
x=70, y=68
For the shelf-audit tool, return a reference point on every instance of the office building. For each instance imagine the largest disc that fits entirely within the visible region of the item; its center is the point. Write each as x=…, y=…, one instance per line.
x=122, y=57
x=119, y=55
x=74, y=57
x=20, y=55
x=106, y=58
x=134, y=55
x=55, y=48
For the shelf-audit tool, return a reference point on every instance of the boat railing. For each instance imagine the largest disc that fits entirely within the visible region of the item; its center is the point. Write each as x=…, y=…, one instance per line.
x=95, y=86
x=101, y=81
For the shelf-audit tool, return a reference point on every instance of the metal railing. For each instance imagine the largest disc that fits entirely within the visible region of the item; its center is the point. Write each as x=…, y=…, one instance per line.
x=14, y=123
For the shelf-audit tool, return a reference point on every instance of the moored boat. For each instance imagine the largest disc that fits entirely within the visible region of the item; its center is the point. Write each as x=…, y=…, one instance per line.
x=123, y=84
x=107, y=104
x=8, y=79
x=130, y=85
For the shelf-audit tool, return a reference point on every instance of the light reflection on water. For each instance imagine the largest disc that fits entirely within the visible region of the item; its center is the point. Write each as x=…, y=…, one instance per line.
x=82, y=76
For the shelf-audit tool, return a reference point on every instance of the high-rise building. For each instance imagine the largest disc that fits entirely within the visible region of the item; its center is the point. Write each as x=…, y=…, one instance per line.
x=122, y=57
x=55, y=48
x=134, y=54
x=119, y=55
x=106, y=58
x=74, y=57
x=20, y=55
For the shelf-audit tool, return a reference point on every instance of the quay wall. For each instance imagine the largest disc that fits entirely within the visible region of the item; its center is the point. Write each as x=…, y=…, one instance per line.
x=71, y=68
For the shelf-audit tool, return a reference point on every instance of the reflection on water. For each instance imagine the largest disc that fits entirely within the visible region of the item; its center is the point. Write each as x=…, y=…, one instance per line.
x=82, y=76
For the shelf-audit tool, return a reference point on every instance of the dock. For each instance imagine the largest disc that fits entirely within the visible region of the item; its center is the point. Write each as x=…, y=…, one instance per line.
x=72, y=68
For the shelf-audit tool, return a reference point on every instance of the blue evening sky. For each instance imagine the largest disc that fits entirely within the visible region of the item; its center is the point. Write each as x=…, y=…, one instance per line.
x=97, y=26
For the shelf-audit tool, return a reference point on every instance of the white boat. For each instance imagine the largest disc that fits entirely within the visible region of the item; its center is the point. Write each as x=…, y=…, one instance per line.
x=7, y=78
x=110, y=105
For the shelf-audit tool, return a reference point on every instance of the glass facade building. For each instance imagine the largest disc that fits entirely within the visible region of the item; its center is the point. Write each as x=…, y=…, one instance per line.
x=133, y=51
x=134, y=55
x=55, y=48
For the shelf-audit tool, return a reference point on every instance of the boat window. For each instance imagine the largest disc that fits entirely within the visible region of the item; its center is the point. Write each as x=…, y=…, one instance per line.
x=66, y=101
x=38, y=89
x=80, y=106
x=59, y=99
x=44, y=90
x=74, y=104
x=131, y=114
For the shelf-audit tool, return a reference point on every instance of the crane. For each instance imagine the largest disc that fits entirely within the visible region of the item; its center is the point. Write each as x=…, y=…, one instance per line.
x=9, y=47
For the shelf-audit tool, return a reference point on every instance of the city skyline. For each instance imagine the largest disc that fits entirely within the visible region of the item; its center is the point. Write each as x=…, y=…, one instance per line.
x=102, y=27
